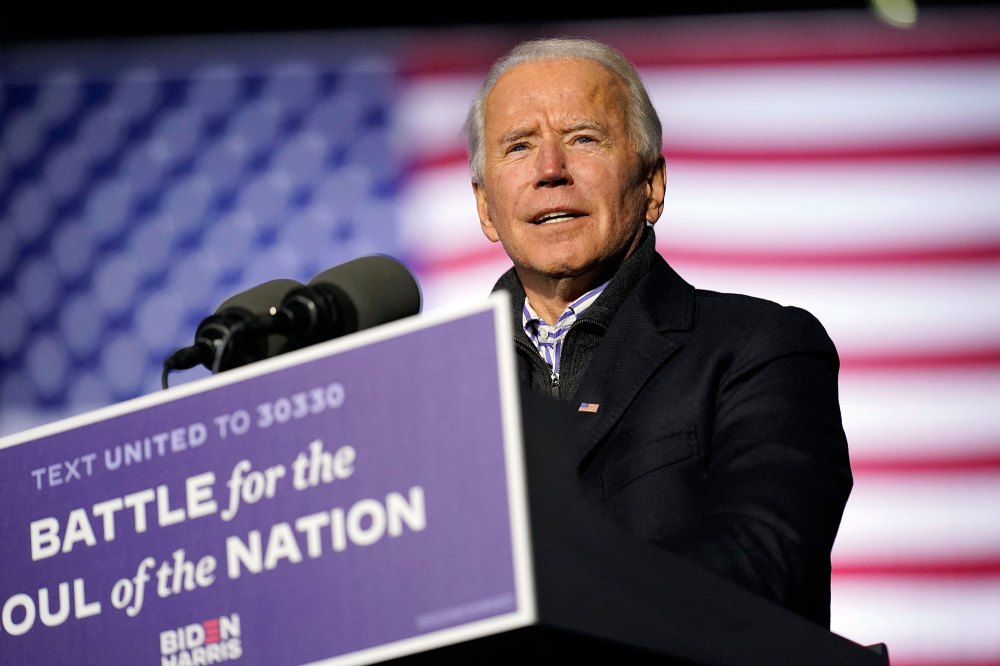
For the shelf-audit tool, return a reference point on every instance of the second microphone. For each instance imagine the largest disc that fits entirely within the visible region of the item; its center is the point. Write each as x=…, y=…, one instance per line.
x=353, y=296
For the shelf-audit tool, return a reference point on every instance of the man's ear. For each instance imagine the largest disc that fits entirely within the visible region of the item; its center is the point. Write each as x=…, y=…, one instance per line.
x=656, y=185
x=485, y=223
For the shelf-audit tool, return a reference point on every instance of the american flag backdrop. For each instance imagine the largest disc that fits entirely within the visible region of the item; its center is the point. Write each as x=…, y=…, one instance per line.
x=824, y=159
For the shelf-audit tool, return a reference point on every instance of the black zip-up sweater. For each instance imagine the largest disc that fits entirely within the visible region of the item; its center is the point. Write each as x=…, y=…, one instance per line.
x=585, y=333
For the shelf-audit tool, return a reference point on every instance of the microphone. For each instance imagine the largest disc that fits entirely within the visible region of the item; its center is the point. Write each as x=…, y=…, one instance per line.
x=221, y=341
x=353, y=296
x=284, y=315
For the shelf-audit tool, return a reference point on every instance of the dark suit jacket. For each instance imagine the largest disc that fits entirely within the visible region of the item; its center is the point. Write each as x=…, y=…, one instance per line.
x=718, y=433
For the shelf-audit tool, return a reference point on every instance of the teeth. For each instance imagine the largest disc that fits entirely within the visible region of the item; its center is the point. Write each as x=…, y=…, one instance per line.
x=552, y=217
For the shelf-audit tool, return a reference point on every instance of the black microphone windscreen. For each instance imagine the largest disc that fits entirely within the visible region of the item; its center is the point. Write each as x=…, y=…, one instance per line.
x=248, y=307
x=260, y=300
x=380, y=288
x=214, y=345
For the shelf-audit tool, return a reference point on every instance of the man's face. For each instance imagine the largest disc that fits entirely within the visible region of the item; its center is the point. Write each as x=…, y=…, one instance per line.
x=562, y=188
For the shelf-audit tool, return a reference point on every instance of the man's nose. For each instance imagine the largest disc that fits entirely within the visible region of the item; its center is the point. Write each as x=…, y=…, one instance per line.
x=551, y=165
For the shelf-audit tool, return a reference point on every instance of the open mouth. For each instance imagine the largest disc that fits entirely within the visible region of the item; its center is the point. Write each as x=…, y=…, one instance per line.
x=555, y=216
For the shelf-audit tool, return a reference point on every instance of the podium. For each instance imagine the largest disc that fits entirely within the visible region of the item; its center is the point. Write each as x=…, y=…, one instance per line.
x=386, y=497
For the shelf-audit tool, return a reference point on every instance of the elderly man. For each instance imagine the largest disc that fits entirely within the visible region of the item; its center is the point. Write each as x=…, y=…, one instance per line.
x=706, y=423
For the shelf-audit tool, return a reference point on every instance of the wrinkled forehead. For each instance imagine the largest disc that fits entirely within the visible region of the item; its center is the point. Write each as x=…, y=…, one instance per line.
x=564, y=84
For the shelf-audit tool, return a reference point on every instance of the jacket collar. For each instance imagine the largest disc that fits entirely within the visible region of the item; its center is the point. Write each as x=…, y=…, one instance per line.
x=670, y=307
x=636, y=344
x=645, y=300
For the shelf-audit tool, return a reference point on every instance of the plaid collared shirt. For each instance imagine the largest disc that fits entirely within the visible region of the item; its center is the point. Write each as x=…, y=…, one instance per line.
x=548, y=339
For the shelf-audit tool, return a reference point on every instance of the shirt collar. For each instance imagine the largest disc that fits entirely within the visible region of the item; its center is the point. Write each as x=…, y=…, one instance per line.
x=530, y=319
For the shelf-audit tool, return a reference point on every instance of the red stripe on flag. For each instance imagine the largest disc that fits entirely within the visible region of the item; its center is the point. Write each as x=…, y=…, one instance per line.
x=952, y=568
x=975, y=463
x=975, y=252
x=485, y=252
x=958, y=660
x=946, y=360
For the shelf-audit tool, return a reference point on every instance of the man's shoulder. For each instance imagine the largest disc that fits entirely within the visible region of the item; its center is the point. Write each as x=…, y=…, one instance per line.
x=752, y=322
x=751, y=308
x=748, y=306
x=721, y=314
x=662, y=284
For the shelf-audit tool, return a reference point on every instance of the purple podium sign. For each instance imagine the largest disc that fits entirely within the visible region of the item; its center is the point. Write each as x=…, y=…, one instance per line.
x=348, y=503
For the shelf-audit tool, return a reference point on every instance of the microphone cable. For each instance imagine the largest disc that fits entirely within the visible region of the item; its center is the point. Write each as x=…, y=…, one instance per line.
x=284, y=315
x=214, y=345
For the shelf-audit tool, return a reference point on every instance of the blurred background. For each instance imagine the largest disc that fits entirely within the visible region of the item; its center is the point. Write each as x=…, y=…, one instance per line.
x=843, y=157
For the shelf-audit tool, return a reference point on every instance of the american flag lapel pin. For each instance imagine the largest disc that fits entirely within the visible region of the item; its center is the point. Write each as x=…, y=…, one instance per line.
x=590, y=407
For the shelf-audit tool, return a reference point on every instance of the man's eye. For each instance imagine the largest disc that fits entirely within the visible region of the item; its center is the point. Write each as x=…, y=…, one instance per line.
x=517, y=147
x=583, y=139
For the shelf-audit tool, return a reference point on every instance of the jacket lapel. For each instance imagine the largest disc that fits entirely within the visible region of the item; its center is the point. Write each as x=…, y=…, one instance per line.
x=634, y=346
